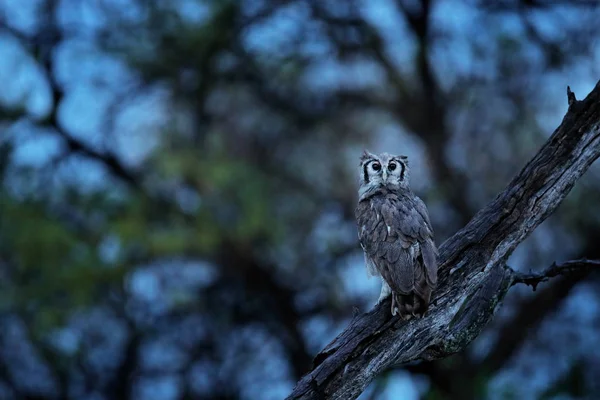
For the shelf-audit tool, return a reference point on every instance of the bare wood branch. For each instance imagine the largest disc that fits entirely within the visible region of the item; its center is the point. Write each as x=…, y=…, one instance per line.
x=571, y=96
x=535, y=278
x=473, y=275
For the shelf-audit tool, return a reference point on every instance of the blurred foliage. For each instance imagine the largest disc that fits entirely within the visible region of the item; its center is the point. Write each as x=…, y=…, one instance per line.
x=573, y=383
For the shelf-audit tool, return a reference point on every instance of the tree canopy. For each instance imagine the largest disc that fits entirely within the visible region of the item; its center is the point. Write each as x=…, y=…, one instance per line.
x=179, y=181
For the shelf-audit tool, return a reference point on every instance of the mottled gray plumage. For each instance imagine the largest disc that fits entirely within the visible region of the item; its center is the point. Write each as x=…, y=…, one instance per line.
x=395, y=233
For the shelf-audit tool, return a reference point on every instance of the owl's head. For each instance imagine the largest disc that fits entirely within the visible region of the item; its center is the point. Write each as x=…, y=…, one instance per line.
x=382, y=170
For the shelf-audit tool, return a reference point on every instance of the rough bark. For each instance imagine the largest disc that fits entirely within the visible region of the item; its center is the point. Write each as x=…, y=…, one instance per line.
x=473, y=278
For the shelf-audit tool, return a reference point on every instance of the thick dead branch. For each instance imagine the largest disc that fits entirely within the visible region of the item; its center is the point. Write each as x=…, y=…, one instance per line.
x=473, y=275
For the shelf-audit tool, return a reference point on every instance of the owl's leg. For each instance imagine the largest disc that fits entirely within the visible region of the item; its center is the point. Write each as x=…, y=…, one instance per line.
x=385, y=291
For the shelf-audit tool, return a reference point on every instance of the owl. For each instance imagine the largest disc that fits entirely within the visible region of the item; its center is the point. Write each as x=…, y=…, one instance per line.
x=395, y=234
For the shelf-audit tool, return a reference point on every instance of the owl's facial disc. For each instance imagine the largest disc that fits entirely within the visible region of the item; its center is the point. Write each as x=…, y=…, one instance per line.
x=383, y=170
x=372, y=170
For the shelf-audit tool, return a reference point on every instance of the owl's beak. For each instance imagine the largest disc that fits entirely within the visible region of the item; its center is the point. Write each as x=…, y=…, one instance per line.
x=384, y=175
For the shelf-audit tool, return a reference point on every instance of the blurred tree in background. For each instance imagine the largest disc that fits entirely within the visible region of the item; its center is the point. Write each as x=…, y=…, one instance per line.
x=179, y=179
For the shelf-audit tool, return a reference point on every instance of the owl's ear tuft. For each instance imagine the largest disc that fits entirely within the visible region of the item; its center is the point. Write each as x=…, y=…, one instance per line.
x=366, y=155
x=404, y=159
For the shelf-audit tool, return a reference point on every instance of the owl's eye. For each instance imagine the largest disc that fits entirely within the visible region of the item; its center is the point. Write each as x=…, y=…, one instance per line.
x=376, y=166
x=392, y=166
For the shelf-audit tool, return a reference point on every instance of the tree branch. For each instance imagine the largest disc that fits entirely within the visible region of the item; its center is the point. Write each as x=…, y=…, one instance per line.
x=431, y=125
x=473, y=274
x=534, y=278
x=41, y=47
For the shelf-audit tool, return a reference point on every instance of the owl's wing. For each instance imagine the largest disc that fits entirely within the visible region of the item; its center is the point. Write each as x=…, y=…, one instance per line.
x=409, y=217
x=422, y=210
x=428, y=249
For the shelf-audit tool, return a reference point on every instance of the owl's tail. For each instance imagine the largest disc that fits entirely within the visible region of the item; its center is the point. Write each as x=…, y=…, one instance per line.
x=416, y=303
x=409, y=306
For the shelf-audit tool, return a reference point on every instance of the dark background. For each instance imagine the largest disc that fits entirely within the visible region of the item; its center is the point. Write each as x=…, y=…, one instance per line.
x=179, y=181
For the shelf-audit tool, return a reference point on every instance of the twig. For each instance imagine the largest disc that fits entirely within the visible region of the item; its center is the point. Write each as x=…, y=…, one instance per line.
x=569, y=267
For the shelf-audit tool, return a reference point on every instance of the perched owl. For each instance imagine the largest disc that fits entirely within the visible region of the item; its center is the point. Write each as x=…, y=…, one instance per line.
x=395, y=233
